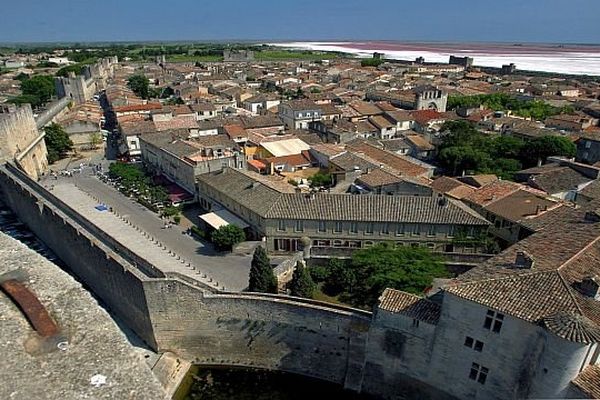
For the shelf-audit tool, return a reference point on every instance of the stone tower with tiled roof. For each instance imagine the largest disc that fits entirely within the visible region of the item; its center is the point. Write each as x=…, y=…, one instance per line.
x=524, y=324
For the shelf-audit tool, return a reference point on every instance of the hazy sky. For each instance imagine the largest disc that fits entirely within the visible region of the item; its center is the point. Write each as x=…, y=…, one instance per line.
x=458, y=20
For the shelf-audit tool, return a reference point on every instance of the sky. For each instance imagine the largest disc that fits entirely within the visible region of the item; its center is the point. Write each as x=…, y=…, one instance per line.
x=551, y=21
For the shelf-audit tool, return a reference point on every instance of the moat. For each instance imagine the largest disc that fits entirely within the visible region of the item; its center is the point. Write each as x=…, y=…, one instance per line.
x=243, y=384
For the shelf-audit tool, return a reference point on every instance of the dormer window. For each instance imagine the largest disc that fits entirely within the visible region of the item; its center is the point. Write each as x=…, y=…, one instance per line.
x=590, y=287
x=524, y=260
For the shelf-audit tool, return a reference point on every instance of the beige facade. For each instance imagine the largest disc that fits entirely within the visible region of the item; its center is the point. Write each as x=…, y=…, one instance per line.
x=286, y=220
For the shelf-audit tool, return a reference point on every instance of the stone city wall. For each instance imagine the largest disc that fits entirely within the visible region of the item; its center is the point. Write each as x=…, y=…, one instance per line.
x=115, y=281
x=169, y=313
x=258, y=331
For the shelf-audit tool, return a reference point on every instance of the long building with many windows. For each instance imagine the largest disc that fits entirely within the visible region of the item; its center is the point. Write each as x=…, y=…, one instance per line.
x=335, y=224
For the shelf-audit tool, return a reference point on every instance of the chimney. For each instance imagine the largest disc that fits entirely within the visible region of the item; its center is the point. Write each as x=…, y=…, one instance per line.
x=523, y=260
x=590, y=287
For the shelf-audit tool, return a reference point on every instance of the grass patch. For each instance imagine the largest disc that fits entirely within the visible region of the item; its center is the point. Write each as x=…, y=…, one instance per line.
x=272, y=55
x=193, y=58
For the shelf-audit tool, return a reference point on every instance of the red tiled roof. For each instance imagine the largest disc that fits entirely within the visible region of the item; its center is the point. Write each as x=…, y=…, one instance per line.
x=138, y=107
x=424, y=116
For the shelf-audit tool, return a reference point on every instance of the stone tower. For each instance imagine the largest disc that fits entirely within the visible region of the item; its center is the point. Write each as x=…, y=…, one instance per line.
x=21, y=142
x=430, y=98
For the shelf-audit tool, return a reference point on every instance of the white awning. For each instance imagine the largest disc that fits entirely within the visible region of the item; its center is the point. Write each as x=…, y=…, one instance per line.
x=220, y=218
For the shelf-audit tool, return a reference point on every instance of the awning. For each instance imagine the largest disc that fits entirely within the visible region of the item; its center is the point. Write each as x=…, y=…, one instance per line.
x=220, y=218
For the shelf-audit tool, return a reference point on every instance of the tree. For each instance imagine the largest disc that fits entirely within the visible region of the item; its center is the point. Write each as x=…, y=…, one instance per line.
x=371, y=62
x=95, y=139
x=262, y=278
x=76, y=68
x=40, y=87
x=57, y=141
x=139, y=85
x=546, y=146
x=340, y=277
x=173, y=101
x=302, y=284
x=320, y=179
x=373, y=269
x=227, y=236
x=167, y=92
x=22, y=77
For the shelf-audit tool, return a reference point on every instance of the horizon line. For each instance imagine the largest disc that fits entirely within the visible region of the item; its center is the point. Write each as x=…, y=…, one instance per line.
x=267, y=41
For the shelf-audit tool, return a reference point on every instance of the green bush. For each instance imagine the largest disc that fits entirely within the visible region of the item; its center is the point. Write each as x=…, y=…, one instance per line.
x=227, y=236
x=198, y=232
x=319, y=273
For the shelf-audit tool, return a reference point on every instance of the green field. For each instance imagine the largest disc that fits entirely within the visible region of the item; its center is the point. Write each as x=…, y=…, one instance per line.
x=276, y=55
x=192, y=58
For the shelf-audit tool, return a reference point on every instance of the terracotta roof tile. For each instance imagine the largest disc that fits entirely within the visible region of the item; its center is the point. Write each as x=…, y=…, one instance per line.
x=398, y=302
x=588, y=381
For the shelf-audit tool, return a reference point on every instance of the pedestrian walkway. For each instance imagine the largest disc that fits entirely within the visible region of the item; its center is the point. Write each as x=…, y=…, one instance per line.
x=142, y=243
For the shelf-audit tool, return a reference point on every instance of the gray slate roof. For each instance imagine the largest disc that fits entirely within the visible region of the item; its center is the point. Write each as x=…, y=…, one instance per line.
x=270, y=203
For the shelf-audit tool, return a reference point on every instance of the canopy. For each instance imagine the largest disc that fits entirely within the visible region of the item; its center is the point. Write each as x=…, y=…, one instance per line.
x=220, y=218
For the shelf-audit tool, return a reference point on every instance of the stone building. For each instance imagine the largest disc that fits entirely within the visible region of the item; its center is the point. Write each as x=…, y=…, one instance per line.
x=297, y=114
x=336, y=224
x=238, y=55
x=524, y=324
x=466, y=62
x=21, y=142
x=426, y=97
x=182, y=158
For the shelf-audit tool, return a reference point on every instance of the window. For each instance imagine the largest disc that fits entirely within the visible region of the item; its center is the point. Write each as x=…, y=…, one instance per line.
x=281, y=226
x=368, y=244
x=451, y=231
x=588, y=144
x=478, y=346
x=415, y=323
x=416, y=230
x=338, y=227
x=470, y=232
x=478, y=373
x=493, y=321
x=299, y=226
x=474, y=344
x=369, y=229
x=400, y=230
x=322, y=226
x=385, y=230
x=431, y=230
x=469, y=341
x=431, y=246
x=353, y=227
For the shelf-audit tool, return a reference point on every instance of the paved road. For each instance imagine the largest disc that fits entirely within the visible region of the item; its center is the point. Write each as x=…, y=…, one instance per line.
x=230, y=270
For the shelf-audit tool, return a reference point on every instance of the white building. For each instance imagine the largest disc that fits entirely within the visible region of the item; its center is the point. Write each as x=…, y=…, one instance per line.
x=296, y=114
